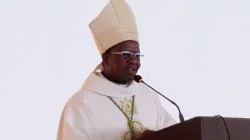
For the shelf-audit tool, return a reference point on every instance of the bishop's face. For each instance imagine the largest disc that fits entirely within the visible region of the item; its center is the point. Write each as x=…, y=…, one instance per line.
x=122, y=62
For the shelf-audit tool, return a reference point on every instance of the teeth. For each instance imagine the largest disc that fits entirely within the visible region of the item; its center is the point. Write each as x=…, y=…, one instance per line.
x=131, y=69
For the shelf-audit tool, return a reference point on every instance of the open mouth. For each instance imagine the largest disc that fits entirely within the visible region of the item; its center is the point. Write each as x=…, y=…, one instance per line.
x=131, y=71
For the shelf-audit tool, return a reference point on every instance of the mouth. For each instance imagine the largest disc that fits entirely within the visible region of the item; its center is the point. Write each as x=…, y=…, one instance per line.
x=131, y=70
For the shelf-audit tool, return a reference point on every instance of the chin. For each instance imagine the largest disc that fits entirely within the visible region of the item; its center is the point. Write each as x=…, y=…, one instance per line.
x=129, y=78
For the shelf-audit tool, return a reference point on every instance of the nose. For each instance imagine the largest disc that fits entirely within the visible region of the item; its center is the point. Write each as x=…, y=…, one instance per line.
x=133, y=60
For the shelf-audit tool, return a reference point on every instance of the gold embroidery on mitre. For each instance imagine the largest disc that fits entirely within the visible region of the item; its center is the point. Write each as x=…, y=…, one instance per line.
x=126, y=106
x=139, y=129
x=126, y=31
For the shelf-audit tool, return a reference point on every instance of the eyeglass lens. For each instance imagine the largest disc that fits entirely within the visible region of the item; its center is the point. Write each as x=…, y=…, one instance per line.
x=130, y=54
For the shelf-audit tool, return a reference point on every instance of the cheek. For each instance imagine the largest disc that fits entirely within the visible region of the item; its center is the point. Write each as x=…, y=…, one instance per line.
x=120, y=64
x=117, y=65
x=139, y=63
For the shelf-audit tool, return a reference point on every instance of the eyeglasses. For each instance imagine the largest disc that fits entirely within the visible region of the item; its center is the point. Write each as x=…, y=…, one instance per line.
x=127, y=54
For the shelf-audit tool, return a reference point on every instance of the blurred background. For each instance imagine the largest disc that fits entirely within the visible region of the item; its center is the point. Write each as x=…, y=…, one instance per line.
x=196, y=53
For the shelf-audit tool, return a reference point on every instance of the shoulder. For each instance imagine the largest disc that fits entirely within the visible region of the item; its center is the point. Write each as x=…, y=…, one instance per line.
x=76, y=108
x=76, y=102
x=83, y=99
x=80, y=97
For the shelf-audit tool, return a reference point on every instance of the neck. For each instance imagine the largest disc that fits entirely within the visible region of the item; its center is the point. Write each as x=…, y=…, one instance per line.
x=114, y=80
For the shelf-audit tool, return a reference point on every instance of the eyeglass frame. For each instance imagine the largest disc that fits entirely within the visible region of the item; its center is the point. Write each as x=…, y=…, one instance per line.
x=132, y=54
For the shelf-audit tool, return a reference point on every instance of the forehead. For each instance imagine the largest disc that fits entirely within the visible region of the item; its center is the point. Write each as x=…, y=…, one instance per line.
x=127, y=46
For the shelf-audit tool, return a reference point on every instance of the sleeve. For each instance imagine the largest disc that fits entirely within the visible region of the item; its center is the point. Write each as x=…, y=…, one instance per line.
x=75, y=123
x=165, y=118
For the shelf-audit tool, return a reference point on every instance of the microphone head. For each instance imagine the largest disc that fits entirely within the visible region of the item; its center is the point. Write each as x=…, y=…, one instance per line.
x=138, y=78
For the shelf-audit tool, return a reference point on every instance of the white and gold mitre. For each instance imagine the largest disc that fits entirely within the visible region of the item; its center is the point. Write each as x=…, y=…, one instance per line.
x=116, y=23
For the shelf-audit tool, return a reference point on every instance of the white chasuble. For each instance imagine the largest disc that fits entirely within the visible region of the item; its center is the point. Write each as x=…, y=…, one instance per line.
x=97, y=111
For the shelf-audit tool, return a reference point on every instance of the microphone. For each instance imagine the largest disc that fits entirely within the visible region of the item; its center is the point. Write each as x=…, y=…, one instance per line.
x=138, y=79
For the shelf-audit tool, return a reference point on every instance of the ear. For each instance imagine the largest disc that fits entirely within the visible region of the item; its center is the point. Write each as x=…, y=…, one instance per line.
x=105, y=59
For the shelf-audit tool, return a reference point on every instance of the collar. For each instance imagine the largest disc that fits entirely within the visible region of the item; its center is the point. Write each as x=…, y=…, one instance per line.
x=100, y=85
x=102, y=76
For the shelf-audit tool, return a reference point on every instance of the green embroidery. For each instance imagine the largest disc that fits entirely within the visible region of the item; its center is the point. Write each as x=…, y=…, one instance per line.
x=130, y=120
x=139, y=129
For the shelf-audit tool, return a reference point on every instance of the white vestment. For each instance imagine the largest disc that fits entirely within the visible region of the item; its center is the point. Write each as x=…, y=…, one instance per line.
x=91, y=115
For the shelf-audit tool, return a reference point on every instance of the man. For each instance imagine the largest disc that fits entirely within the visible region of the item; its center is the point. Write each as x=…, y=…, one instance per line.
x=111, y=105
